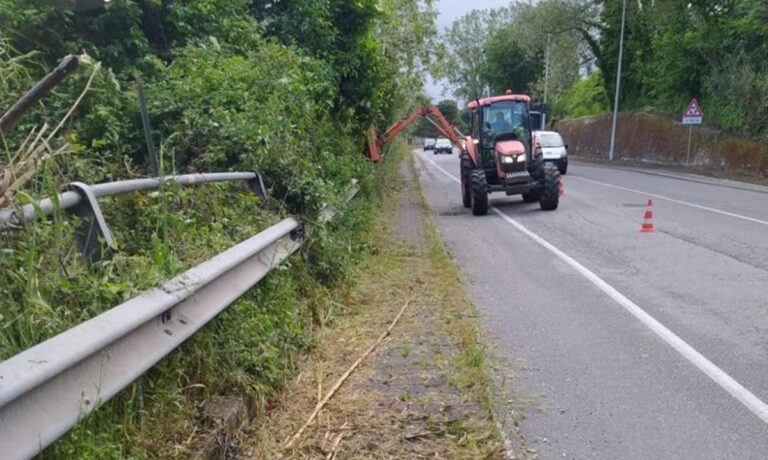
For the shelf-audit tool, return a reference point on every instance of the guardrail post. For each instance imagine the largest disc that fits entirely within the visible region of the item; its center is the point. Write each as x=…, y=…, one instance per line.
x=257, y=186
x=92, y=223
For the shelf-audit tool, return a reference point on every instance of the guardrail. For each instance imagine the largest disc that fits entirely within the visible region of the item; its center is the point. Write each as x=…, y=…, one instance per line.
x=82, y=200
x=46, y=389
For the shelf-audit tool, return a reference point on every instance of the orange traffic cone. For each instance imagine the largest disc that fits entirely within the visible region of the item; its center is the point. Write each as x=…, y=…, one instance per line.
x=648, y=219
x=562, y=187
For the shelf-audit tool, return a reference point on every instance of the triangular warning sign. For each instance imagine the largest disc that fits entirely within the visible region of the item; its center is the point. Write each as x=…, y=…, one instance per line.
x=693, y=110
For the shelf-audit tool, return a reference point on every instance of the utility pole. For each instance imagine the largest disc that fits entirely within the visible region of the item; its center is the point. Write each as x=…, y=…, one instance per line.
x=546, y=84
x=618, y=83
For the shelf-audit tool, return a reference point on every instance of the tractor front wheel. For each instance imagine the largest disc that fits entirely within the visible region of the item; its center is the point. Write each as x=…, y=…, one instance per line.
x=466, y=194
x=479, y=192
x=550, y=194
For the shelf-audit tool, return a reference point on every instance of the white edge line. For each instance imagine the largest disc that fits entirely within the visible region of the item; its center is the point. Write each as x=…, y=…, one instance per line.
x=720, y=377
x=666, y=198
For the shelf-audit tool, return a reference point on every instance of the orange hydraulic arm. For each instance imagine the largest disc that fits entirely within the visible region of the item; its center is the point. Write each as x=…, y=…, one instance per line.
x=375, y=143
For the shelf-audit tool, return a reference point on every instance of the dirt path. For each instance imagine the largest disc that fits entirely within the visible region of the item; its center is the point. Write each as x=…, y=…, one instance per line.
x=424, y=391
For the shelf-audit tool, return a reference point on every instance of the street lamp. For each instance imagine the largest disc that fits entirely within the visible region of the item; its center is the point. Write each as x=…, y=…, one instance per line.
x=546, y=81
x=618, y=83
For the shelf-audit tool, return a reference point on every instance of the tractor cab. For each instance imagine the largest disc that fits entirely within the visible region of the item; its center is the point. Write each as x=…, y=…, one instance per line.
x=503, y=130
x=502, y=155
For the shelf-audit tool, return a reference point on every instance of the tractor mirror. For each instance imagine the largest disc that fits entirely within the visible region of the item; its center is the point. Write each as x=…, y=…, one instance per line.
x=466, y=117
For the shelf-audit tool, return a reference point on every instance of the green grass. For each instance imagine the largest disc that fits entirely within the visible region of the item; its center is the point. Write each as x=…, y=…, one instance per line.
x=472, y=365
x=46, y=287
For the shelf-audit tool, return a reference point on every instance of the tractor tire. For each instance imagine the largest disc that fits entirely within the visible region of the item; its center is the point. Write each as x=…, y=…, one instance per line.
x=531, y=197
x=466, y=194
x=536, y=167
x=479, y=192
x=550, y=194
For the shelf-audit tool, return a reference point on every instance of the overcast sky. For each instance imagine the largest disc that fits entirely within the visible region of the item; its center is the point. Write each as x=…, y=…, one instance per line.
x=448, y=11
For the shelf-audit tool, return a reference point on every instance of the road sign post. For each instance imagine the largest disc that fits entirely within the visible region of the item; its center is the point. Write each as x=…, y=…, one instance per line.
x=693, y=115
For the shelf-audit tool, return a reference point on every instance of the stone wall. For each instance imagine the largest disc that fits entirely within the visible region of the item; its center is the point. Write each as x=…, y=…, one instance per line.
x=644, y=137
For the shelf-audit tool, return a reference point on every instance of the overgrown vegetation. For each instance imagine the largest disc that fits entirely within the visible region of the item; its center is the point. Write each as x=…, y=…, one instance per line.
x=585, y=97
x=285, y=88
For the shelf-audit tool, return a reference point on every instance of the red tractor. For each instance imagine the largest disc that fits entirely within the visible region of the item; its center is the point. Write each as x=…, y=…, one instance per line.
x=503, y=155
x=500, y=154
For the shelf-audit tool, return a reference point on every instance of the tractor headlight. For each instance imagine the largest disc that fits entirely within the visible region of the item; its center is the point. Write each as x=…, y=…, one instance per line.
x=507, y=159
x=520, y=158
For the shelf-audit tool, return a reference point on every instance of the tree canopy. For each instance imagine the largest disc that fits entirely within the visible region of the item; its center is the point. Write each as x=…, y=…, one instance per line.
x=230, y=83
x=674, y=50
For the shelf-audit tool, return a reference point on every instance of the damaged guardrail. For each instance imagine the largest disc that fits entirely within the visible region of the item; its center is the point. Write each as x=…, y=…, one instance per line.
x=83, y=200
x=45, y=390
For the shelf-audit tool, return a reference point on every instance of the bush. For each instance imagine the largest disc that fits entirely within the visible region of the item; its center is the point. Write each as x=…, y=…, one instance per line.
x=737, y=97
x=585, y=97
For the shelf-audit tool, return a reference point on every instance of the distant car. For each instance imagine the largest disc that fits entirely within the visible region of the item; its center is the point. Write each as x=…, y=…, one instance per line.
x=443, y=145
x=554, y=149
x=429, y=144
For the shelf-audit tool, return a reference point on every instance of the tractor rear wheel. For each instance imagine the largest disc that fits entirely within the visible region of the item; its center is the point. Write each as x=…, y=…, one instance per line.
x=550, y=194
x=466, y=197
x=479, y=192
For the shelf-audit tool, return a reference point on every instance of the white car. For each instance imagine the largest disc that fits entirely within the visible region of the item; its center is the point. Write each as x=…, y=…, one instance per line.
x=443, y=145
x=554, y=149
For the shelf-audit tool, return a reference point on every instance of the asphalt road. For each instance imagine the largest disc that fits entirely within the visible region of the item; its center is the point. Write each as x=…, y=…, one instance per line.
x=630, y=345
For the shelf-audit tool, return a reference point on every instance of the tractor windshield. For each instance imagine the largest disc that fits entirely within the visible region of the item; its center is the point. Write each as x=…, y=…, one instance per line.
x=507, y=119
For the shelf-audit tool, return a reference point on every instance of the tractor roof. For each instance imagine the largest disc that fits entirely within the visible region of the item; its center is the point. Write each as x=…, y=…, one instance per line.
x=493, y=99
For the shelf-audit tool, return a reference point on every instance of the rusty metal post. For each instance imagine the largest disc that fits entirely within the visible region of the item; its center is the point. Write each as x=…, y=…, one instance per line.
x=154, y=163
x=41, y=88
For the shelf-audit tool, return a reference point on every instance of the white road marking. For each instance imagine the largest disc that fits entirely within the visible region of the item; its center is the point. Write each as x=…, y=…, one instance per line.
x=720, y=377
x=666, y=198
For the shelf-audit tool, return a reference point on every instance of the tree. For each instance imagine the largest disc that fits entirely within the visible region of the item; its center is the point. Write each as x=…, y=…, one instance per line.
x=508, y=64
x=450, y=111
x=407, y=35
x=463, y=57
x=637, y=48
x=564, y=31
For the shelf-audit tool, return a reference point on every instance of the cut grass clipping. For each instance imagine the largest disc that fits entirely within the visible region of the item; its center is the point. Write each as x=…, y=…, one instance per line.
x=419, y=387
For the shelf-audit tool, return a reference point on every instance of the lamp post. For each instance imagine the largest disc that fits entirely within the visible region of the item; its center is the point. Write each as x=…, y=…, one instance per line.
x=618, y=84
x=546, y=84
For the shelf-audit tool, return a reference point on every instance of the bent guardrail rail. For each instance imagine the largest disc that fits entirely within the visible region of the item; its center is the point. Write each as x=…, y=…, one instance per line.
x=82, y=199
x=45, y=390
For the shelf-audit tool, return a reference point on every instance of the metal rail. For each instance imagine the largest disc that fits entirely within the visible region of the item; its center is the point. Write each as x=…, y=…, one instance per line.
x=45, y=390
x=93, y=235
x=71, y=198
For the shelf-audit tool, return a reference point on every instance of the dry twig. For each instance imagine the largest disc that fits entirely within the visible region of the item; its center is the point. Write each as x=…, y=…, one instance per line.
x=344, y=377
x=334, y=448
x=23, y=164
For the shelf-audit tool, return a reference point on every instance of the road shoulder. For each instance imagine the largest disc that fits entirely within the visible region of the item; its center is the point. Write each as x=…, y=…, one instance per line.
x=425, y=390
